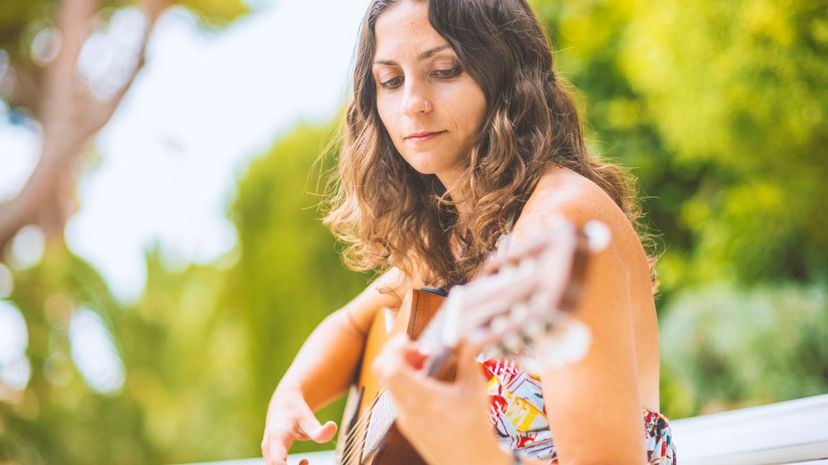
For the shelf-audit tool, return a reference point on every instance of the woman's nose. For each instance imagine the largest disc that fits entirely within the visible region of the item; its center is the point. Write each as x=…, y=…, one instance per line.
x=416, y=99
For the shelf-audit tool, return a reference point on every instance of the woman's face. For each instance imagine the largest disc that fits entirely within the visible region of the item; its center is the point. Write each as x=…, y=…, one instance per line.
x=432, y=109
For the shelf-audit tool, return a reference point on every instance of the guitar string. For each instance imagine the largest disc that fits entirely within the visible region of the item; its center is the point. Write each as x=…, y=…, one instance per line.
x=353, y=435
x=362, y=423
x=359, y=427
x=344, y=454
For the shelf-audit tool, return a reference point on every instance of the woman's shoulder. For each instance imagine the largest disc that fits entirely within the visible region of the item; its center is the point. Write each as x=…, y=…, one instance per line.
x=563, y=192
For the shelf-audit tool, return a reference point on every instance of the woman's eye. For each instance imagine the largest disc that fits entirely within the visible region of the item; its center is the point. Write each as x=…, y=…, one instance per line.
x=448, y=73
x=391, y=83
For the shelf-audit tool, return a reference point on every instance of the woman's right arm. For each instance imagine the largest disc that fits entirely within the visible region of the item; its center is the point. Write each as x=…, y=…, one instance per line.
x=323, y=369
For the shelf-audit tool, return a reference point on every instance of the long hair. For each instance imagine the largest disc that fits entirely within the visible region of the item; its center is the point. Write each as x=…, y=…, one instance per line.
x=388, y=214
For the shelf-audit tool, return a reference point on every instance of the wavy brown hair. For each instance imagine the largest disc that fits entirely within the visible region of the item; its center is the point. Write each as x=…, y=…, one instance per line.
x=388, y=214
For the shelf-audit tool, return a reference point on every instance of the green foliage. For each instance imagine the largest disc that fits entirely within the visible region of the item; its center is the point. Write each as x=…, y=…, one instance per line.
x=186, y=362
x=216, y=13
x=726, y=348
x=289, y=276
x=719, y=111
x=58, y=418
x=735, y=85
x=203, y=347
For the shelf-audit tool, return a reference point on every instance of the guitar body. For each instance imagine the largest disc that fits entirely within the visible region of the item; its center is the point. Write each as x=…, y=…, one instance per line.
x=416, y=310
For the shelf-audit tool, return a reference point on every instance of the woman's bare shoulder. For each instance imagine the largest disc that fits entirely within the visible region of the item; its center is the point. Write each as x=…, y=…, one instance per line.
x=562, y=192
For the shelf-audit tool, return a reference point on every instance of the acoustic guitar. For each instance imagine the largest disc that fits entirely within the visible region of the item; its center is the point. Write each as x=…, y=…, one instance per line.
x=531, y=291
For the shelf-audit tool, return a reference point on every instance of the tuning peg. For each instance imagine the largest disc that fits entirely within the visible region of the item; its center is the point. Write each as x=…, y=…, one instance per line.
x=598, y=235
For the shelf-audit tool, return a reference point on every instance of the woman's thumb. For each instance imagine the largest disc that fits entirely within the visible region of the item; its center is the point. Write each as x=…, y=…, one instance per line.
x=324, y=433
x=313, y=429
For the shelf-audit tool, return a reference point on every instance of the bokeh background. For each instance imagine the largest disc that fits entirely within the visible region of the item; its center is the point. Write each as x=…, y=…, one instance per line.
x=163, y=258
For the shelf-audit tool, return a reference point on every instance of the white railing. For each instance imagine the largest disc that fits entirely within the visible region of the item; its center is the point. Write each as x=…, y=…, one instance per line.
x=791, y=432
x=795, y=431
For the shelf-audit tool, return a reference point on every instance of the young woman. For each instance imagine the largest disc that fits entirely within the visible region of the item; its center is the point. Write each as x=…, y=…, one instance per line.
x=460, y=132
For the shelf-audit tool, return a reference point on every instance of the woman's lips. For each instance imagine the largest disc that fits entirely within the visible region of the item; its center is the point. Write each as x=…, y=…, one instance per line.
x=424, y=137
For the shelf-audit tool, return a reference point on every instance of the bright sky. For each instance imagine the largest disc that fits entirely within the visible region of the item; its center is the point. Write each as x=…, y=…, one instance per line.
x=204, y=105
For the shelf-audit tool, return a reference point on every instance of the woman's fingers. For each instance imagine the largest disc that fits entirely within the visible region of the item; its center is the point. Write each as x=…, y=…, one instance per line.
x=324, y=433
x=305, y=426
x=276, y=446
x=397, y=368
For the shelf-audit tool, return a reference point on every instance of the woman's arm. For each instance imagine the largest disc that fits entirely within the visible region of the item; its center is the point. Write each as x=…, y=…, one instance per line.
x=594, y=406
x=323, y=369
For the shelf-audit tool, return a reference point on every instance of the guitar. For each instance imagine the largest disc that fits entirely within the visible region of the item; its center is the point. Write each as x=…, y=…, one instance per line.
x=530, y=291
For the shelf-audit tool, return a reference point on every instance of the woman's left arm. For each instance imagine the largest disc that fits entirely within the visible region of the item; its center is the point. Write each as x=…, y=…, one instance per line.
x=594, y=406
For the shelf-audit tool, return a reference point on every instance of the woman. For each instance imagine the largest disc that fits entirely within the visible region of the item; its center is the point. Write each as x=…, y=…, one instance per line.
x=460, y=132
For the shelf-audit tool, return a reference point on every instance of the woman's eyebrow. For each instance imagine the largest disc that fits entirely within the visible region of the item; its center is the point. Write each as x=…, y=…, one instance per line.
x=425, y=55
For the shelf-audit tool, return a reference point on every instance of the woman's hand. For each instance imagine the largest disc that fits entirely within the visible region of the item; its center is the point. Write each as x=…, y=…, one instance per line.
x=446, y=422
x=289, y=418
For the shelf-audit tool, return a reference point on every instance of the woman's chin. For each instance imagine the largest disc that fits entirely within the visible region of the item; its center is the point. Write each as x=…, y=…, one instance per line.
x=426, y=163
x=423, y=166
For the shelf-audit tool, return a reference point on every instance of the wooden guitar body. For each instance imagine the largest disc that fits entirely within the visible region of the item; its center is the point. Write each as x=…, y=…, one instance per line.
x=416, y=310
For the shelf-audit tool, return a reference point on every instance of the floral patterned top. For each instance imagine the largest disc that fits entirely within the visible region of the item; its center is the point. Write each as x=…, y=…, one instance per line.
x=518, y=416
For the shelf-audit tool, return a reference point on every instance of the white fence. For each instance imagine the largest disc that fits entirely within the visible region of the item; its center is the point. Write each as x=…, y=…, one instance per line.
x=795, y=431
x=791, y=432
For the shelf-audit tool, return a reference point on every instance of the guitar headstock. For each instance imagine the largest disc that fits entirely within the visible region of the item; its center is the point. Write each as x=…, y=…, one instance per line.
x=525, y=300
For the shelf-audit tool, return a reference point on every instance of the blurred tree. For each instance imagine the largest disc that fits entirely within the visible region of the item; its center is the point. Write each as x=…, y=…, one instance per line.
x=731, y=348
x=67, y=64
x=289, y=276
x=51, y=58
x=203, y=348
x=719, y=111
x=69, y=411
x=736, y=85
